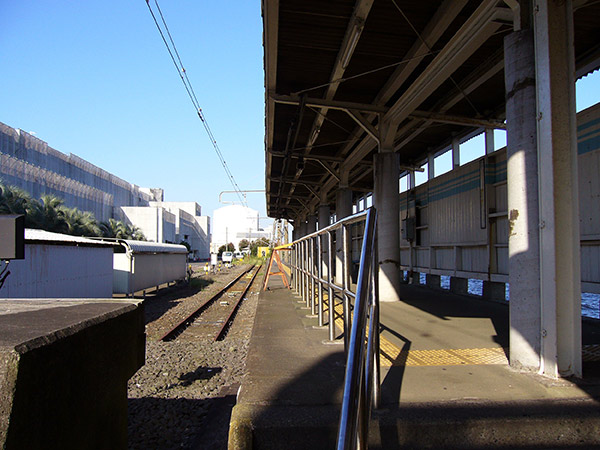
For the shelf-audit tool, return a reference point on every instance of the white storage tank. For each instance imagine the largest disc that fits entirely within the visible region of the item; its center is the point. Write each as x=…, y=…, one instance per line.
x=140, y=265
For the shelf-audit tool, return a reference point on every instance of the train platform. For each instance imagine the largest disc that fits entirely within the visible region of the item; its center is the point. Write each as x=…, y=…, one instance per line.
x=446, y=382
x=64, y=366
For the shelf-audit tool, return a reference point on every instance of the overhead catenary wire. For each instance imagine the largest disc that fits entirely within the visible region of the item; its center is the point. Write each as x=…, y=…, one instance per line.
x=174, y=54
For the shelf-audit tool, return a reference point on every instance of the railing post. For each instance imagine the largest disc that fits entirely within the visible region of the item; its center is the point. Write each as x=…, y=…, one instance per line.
x=376, y=342
x=302, y=274
x=293, y=266
x=347, y=316
x=297, y=268
x=331, y=300
x=313, y=302
x=305, y=261
x=320, y=275
x=361, y=359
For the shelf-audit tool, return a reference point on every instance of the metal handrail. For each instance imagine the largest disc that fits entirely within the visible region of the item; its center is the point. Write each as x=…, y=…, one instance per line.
x=361, y=381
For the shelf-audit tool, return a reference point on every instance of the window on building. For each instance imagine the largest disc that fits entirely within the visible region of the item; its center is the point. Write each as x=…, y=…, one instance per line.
x=499, y=139
x=587, y=91
x=443, y=163
x=403, y=183
x=472, y=149
x=422, y=177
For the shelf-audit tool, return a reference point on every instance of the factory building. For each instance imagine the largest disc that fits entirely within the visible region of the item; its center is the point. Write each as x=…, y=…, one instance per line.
x=172, y=222
x=32, y=165
x=233, y=223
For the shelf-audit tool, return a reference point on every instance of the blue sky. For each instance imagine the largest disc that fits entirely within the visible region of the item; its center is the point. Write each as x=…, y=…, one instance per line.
x=95, y=79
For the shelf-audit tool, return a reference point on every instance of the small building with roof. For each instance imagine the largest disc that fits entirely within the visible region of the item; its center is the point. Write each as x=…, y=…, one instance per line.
x=61, y=266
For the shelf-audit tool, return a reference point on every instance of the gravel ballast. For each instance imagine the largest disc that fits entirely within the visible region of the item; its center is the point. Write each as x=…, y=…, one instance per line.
x=178, y=394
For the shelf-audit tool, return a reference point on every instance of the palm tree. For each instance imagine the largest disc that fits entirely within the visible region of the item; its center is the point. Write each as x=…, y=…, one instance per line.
x=14, y=200
x=80, y=223
x=137, y=234
x=111, y=228
x=50, y=214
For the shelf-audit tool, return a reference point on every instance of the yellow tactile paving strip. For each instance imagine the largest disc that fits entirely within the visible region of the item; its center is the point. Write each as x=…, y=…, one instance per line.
x=392, y=355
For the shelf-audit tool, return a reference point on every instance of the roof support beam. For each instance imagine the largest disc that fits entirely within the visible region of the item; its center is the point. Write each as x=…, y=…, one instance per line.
x=329, y=169
x=362, y=8
x=476, y=30
x=458, y=120
x=330, y=159
x=466, y=41
x=328, y=104
x=270, y=12
x=491, y=67
x=364, y=124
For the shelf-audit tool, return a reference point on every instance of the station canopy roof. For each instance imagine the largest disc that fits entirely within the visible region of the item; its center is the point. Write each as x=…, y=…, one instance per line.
x=334, y=70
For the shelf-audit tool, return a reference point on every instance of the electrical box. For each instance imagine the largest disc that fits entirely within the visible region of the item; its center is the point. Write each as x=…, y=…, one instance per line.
x=408, y=229
x=12, y=236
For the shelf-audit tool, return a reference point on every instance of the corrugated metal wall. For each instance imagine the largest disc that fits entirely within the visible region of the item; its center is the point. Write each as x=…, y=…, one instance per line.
x=461, y=223
x=154, y=269
x=60, y=271
x=588, y=148
x=149, y=270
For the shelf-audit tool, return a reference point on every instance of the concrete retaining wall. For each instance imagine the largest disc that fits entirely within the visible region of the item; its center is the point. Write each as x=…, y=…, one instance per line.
x=64, y=367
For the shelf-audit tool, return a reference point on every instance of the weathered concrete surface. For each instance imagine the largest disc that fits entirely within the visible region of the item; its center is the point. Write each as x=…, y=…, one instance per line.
x=291, y=394
x=64, y=367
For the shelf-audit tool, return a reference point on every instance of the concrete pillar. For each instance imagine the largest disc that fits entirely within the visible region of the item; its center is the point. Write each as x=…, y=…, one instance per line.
x=386, y=200
x=523, y=201
x=459, y=285
x=343, y=208
x=303, y=228
x=311, y=224
x=433, y=281
x=493, y=290
x=324, y=216
x=560, y=272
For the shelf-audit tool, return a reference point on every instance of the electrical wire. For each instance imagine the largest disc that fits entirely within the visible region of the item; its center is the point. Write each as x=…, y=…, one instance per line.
x=464, y=94
x=174, y=54
x=368, y=72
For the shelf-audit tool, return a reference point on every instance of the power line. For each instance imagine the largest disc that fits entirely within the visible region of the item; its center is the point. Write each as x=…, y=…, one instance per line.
x=172, y=49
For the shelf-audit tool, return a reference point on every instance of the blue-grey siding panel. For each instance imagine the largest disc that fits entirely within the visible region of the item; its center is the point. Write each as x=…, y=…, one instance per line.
x=448, y=212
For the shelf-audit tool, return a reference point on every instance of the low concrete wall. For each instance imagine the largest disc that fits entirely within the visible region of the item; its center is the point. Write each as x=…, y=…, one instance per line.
x=64, y=367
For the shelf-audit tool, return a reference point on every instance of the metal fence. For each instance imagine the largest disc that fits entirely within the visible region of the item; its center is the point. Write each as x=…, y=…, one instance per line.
x=312, y=265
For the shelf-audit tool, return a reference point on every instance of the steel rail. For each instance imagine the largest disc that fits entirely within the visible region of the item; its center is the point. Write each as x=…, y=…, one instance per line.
x=173, y=332
x=231, y=315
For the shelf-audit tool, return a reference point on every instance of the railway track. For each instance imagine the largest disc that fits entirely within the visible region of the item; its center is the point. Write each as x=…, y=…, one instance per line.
x=213, y=318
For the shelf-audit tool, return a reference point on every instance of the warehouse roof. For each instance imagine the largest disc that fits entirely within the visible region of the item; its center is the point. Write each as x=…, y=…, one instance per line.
x=49, y=238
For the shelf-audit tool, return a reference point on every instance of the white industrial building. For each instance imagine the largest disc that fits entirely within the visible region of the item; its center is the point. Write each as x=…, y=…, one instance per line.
x=233, y=223
x=172, y=222
x=32, y=165
x=157, y=224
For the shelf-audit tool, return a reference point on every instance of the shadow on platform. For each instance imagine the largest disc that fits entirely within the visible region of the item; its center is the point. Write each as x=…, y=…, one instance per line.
x=446, y=382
